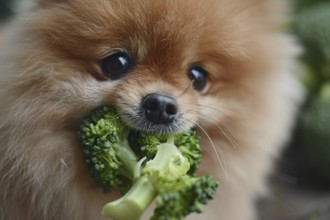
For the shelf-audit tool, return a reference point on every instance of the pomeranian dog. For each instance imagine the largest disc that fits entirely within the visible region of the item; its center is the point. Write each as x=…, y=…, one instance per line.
x=221, y=66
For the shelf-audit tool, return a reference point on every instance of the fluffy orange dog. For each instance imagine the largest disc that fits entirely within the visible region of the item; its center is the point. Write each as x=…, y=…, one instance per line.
x=218, y=65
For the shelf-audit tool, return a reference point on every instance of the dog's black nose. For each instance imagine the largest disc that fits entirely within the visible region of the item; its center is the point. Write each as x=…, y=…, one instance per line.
x=159, y=109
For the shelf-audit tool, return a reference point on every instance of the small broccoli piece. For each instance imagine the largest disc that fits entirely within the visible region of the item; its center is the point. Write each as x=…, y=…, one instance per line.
x=106, y=151
x=187, y=143
x=186, y=195
x=165, y=170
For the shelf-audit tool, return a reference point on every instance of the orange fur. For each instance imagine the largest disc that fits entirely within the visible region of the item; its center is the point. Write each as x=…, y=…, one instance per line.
x=50, y=80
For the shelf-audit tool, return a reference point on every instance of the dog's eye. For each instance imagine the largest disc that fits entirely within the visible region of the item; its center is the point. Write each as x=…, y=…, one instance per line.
x=116, y=65
x=198, y=77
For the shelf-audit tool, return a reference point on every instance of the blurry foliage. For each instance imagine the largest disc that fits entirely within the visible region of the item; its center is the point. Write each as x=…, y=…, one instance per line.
x=312, y=26
x=301, y=4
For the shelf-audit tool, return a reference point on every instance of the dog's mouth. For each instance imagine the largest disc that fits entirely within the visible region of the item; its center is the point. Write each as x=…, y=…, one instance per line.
x=132, y=138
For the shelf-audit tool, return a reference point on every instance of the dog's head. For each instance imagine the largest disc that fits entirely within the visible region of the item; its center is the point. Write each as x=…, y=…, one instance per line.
x=165, y=65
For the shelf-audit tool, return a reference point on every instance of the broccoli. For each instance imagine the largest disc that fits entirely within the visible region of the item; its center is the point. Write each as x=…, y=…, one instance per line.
x=187, y=143
x=165, y=169
x=106, y=150
x=184, y=196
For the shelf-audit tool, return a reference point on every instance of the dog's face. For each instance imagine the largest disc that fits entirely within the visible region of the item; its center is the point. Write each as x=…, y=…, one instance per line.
x=166, y=65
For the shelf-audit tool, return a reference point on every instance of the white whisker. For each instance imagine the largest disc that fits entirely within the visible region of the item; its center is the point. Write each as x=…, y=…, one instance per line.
x=63, y=162
x=222, y=130
x=218, y=155
x=186, y=89
x=221, y=111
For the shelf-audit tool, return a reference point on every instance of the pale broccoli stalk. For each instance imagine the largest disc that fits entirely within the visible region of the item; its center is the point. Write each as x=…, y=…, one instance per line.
x=165, y=171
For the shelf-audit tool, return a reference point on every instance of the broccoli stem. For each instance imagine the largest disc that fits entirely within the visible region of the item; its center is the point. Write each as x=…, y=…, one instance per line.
x=168, y=160
x=170, y=139
x=133, y=204
x=128, y=158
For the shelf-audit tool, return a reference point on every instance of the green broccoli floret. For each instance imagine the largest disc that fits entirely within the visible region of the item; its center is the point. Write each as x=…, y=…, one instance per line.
x=149, y=143
x=165, y=172
x=187, y=195
x=188, y=145
x=106, y=150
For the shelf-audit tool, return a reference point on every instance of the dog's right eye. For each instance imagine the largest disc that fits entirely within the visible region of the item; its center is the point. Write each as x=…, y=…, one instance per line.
x=116, y=65
x=199, y=77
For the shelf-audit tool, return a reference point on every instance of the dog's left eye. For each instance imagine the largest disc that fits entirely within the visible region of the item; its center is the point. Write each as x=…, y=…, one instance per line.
x=116, y=65
x=199, y=77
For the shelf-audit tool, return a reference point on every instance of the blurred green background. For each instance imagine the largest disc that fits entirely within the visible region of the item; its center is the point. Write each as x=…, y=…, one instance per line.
x=312, y=136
